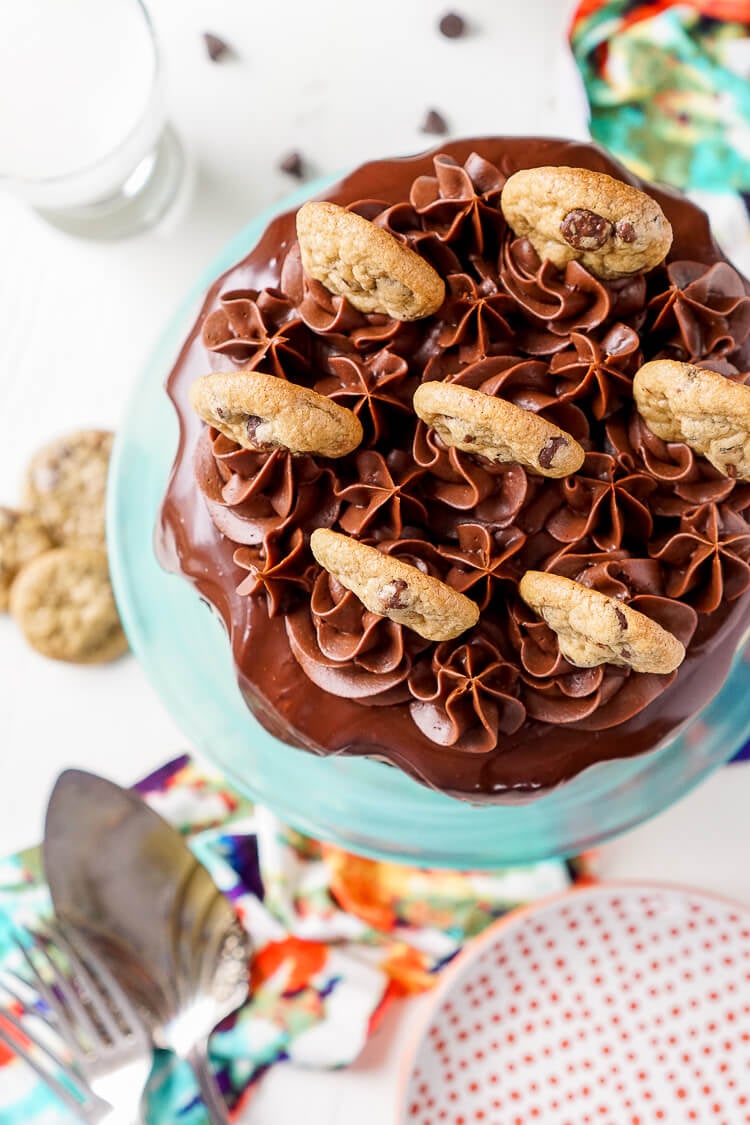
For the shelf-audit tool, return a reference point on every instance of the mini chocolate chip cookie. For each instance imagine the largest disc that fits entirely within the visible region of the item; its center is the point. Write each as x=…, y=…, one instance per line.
x=498, y=430
x=263, y=412
x=393, y=588
x=710, y=413
x=63, y=603
x=594, y=629
x=22, y=538
x=66, y=486
x=572, y=214
x=366, y=264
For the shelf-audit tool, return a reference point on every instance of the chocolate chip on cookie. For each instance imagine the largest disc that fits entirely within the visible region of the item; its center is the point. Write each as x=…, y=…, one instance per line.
x=22, y=538
x=585, y=230
x=710, y=413
x=498, y=430
x=594, y=629
x=261, y=411
x=392, y=588
x=63, y=603
x=575, y=214
x=66, y=486
x=366, y=264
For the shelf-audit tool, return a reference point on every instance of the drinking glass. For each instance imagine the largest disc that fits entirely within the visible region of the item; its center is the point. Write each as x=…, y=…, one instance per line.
x=83, y=132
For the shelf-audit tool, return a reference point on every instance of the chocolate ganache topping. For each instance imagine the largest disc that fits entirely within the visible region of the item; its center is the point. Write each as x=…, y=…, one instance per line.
x=497, y=713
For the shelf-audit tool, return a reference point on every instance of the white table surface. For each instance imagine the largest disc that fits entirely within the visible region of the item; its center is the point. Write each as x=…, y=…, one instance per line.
x=77, y=321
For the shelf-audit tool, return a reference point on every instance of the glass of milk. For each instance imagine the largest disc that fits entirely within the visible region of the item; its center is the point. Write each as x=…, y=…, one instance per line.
x=83, y=133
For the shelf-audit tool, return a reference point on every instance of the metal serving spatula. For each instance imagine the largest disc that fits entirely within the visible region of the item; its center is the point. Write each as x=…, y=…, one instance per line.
x=118, y=872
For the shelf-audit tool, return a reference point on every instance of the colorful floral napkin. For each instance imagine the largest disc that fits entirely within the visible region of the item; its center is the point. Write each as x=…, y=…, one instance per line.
x=668, y=86
x=667, y=83
x=337, y=938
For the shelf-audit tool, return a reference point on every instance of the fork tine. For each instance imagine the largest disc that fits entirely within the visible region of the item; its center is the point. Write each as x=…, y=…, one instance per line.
x=18, y=1026
x=46, y=993
x=111, y=984
x=75, y=1017
x=65, y=1095
x=81, y=972
x=10, y=981
x=107, y=994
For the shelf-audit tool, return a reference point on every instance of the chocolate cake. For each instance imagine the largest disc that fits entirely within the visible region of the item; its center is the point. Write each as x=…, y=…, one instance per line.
x=496, y=713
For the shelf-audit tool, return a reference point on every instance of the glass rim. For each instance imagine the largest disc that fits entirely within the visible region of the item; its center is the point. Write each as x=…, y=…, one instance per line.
x=101, y=162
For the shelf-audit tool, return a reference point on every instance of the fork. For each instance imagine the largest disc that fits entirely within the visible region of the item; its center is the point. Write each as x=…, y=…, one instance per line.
x=56, y=1073
x=110, y=1045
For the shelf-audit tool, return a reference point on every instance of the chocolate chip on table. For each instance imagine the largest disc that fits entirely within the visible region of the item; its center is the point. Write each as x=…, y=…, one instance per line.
x=452, y=26
x=216, y=47
x=435, y=123
x=585, y=230
x=293, y=165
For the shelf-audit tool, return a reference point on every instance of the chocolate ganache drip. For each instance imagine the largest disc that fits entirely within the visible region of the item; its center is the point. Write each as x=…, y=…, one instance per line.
x=498, y=710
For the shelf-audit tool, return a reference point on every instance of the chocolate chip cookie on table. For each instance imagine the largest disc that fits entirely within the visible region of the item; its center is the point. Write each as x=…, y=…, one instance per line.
x=469, y=463
x=66, y=487
x=64, y=606
x=54, y=574
x=22, y=538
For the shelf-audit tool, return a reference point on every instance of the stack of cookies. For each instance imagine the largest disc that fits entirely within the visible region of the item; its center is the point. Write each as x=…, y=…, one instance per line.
x=54, y=574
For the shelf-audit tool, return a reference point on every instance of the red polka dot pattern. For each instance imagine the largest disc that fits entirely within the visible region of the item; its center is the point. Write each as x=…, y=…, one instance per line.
x=613, y=1006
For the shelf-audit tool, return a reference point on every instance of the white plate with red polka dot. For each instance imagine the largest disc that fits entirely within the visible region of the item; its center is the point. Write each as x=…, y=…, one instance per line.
x=613, y=1005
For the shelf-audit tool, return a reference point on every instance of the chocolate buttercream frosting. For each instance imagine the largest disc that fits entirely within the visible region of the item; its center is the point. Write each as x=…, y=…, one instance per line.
x=496, y=714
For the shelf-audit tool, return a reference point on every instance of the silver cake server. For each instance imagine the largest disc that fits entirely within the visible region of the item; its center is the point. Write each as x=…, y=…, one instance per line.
x=118, y=872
